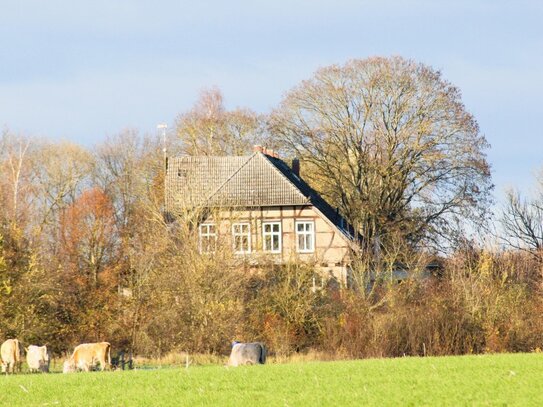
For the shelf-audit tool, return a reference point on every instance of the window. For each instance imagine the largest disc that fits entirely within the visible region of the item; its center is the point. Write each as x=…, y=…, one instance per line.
x=241, y=236
x=271, y=237
x=208, y=238
x=305, y=236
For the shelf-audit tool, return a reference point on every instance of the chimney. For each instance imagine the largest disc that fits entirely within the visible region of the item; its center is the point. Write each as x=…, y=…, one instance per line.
x=296, y=166
x=271, y=153
x=258, y=149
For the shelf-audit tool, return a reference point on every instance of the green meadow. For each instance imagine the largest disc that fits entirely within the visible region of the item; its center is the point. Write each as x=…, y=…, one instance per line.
x=508, y=379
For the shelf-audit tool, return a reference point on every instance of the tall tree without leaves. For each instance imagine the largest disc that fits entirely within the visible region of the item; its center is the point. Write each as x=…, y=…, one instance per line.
x=15, y=180
x=389, y=142
x=522, y=221
x=209, y=129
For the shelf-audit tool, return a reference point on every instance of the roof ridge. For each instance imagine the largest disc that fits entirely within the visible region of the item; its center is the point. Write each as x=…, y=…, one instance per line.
x=284, y=176
x=230, y=177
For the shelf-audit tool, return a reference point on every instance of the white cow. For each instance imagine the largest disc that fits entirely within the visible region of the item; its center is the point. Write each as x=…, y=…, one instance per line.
x=247, y=354
x=87, y=355
x=37, y=358
x=11, y=353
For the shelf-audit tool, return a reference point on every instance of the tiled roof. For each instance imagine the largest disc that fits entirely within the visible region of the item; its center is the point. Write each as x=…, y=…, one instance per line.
x=243, y=181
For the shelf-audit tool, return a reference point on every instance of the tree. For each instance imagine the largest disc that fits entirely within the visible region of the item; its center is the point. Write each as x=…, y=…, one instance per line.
x=389, y=142
x=15, y=178
x=88, y=235
x=61, y=172
x=130, y=171
x=285, y=308
x=209, y=129
x=522, y=221
x=88, y=253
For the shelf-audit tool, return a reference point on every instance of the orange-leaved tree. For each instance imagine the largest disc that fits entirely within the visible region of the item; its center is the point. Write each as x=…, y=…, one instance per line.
x=88, y=248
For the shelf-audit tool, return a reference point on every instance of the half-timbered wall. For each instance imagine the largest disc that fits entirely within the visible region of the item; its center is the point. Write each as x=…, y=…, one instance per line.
x=331, y=247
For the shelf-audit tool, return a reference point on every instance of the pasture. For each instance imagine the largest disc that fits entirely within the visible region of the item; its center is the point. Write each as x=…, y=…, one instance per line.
x=508, y=379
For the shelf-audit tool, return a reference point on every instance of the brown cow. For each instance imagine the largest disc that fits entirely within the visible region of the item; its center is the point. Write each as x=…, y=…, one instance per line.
x=11, y=354
x=87, y=355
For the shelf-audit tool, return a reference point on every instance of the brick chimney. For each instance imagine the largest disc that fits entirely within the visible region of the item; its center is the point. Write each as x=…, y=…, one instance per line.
x=271, y=153
x=258, y=149
x=296, y=166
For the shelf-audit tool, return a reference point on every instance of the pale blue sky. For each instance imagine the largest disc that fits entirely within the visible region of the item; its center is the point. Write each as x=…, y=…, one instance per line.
x=81, y=70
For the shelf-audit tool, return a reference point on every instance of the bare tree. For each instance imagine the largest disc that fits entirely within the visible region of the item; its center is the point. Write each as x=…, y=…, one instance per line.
x=127, y=165
x=389, y=142
x=522, y=221
x=130, y=170
x=15, y=171
x=61, y=171
x=209, y=129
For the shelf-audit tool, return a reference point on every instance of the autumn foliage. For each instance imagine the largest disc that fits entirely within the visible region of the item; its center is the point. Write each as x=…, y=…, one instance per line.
x=87, y=254
x=88, y=236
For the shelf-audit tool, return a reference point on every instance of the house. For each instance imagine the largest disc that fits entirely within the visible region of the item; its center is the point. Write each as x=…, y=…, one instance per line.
x=265, y=209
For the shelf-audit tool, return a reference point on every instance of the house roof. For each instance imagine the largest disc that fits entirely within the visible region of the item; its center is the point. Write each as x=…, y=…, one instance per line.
x=242, y=181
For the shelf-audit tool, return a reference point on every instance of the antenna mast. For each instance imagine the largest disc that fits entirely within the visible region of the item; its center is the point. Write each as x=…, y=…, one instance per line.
x=163, y=127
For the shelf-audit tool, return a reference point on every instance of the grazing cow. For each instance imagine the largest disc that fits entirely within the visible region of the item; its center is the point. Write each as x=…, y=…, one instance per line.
x=87, y=355
x=247, y=354
x=70, y=367
x=37, y=358
x=11, y=353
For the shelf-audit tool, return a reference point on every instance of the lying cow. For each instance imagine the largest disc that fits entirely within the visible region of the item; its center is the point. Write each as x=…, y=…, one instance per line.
x=87, y=355
x=37, y=358
x=247, y=354
x=11, y=354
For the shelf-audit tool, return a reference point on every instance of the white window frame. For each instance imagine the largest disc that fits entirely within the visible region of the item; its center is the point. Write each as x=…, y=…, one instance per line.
x=203, y=233
x=305, y=233
x=241, y=235
x=271, y=233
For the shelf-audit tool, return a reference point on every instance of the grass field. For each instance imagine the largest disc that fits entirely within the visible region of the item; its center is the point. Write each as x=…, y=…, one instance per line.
x=511, y=379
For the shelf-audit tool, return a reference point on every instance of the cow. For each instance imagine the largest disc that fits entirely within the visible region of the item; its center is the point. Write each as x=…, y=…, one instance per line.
x=87, y=355
x=37, y=358
x=11, y=353
x=247, y=354
x=70, y=367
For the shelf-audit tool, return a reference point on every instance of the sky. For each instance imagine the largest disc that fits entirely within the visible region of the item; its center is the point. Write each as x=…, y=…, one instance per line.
x=83, y=70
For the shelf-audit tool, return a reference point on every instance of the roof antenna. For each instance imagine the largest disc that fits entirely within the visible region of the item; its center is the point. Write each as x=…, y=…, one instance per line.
x=163, y=127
